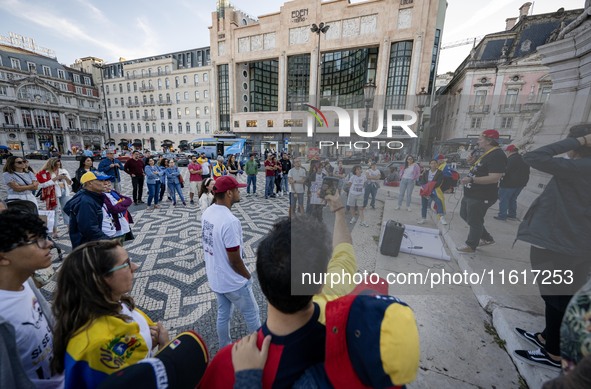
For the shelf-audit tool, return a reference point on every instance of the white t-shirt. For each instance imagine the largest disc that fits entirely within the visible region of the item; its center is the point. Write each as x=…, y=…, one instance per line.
x=221, y=230
x=142, y=323
x=21, y=179
x=299, y=176
x=357, y=184
x=373, y=173
x=314, y=188
x=34, y=340
x=205, y=168
x=408, y=172
x=122, y=220
x=108, y=227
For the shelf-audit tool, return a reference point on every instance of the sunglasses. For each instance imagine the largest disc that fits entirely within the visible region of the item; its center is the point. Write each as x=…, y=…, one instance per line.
x=123, y=266
x=19, y=162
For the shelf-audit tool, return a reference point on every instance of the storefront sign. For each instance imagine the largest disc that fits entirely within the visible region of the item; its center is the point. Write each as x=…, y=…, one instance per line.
x=299, y=15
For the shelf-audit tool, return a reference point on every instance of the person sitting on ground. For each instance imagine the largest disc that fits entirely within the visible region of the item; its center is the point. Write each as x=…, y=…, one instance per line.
x=295, y=316
x=99, y=330
x=26, y=340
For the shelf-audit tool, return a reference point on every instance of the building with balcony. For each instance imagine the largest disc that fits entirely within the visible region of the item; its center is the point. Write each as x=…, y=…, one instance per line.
x=44, y=104
x=267, y=68
x=503, y=83
x=158, y=102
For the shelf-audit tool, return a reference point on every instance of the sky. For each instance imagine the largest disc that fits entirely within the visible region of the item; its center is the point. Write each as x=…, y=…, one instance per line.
x=110, y=29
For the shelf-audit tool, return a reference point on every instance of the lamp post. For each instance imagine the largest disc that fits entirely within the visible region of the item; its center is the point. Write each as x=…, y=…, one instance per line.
x=422, y=98
x=369, y=91
x=102, y=68
x=318, y=30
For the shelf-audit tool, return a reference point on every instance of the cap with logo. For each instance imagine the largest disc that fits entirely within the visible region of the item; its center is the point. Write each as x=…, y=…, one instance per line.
x=91, y=176
x=491, y=134
x=226, y=183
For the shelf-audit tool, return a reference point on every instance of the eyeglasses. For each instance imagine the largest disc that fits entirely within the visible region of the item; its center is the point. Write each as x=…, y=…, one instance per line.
x=41, y=242
x=19, y=162
x=126, y=264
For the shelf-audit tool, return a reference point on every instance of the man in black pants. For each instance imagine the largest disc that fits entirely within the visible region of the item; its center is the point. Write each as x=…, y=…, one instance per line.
x=557, y=225
x=135, y=168
x=481, y=189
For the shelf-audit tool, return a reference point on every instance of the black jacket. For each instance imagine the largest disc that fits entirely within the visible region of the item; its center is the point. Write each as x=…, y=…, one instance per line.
x=560, y=218
x=516, y=174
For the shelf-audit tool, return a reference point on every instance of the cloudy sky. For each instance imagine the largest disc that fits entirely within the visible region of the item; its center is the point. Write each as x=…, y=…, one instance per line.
x=111, y=29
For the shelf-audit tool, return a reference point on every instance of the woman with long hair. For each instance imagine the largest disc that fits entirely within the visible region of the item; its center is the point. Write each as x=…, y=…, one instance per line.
x=232, y=165
x=153, y=181
x=174, y=183
x=98, y=328
x=206, y=194
x=54, y=183
x=162, y=165
x=408, y=175
x=20, y=182
x=86, y=165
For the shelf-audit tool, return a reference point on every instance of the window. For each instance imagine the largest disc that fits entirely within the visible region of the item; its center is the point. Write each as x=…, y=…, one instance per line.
x=117, y=114
x=112, y=128
x=151, y=99
x=170, y=128
x=15, y=63
x=86, y=80
x=116, y=100
x=544, y=94
x=154, y=128
x=9, y=118
x=188, y=127
x=251, y=123
x=145, y=114
x=120, y=88
x=178, y=113
x=89, y=93
x=476, y=123
x=77, y=78
x=168, y=98
x=236, y=123
x=32, y=67
x=180, y=128
x=159, y=84
x=198, y=128
x=205, y=94
x=298, y=79
x=128, y=87
x=269, y=123
x=135, y=86
x=167, y=83
x=186, y=96
x=207, y=127
x=196, y=79
x=187, y=111
x=176, y=82
x=206, y=110
x=159, y=70
x=27, y=118
x=145, y=99
x=147, y=128
x=398, y=74
x=205, y=77
x=196, y=95
x=46, y=71
x=511, y=98
x=160, y=98
x=131, y=114
x=223, y=93
x=125, y=127
x=162, y=126
x=110, y=115
x=506, y=123
x=109, y=103
x=169, y=113
x=136, y=100
x=161, y=113
x=480, y=98
x=123, y=115
x=119, y=128
x=166, y=69
x=197, y=112
x=184, y=79
x=178, y=97
x=79, y=90
x=129, y=100
x=132, y=128
x=61, y=74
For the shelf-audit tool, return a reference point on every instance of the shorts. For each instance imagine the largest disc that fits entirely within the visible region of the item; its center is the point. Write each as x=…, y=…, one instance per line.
x=194, y=186
x=295, y=199
x=354, y=200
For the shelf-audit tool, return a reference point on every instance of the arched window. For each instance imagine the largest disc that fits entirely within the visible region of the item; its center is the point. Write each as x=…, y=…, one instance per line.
x=178, y=97
x=145, y=113
x=139, y=128
x=196, y=79
x=166, y=69
x=170, y=128
x=197, y=112
x=159, y=83
x=135, y=86
x=186, y=96
x=150, y=72
x=207, y=127
x=132, y=128
x=107, y=88
x=188, y=127
x=159, y=70
x=176, y=82
x=180, y=128
x=151, y=99
x=147, y=128
x=205, y=77
x=119, y=128
x=145, y=99
x=160, y=98
x=206, y=110
x=167, y=83
x=163, y=127
x=112, y=128
x=187, y=111
x=161, y=113
x=206, y=94
x=154, y=128
x=125, y=128
x=197, y=95
x=168, y=98
x=184, y=79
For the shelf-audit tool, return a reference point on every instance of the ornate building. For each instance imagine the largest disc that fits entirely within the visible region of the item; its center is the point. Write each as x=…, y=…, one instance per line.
x=157, y=102
x=266, y=69
x=44, y=104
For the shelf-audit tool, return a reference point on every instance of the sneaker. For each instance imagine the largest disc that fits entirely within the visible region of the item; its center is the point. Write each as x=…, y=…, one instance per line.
x=499, y=218
x=397, y=207
x=514, y=219
x=465, y=249
x=174, y=204
x=352, y=220
x=422, y=221
x=192, y=202
x=530, y=337
x=273, y=195
x=538, y=357
x=484, y=242
x=443, y=221
x=185, y=204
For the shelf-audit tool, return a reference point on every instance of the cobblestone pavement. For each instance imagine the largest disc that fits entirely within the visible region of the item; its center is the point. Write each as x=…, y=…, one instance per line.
x=171, y=284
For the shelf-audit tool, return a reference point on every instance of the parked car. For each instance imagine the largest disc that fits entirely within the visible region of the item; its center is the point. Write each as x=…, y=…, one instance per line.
x=385, y=170
x=124, y=156
x=353, y=160
x=182, y=160
x=38, y=154
x=96, y=155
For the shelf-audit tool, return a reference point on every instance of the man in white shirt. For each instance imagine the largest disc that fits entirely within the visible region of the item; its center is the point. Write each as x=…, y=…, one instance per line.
x=296, y=178
x=223, y=250
x=26, y=340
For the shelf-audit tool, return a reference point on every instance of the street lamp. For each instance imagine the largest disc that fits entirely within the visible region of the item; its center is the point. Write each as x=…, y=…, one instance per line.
x=318, y=30
x=422, y=98
x=102, y=68
x=369, y=91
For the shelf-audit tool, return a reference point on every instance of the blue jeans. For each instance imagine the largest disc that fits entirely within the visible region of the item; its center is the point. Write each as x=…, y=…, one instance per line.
x=508, y=202
x=370, y=189
x=173, y=189
x=243, y=299
x=284, y=184
x=425, y=205
x=269, y=181
x=251, y=179
x=153, y=193
x=406, y=187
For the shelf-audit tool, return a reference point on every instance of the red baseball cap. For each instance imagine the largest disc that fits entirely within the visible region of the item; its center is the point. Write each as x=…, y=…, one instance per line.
x=440, y=157
x=226, y=183
x=491, y=134
x=511, y=148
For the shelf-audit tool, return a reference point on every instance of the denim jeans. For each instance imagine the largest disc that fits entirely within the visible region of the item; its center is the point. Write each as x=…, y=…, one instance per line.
x=173, y=189
x=284, y=184
x=425, y=201
x=162, y=190
x=473, y=212
x=63, y=200
x=244, y=300
x=370, y=189
x=251, y=179
x=508, y=202
x=153, y=193
x=406, y=187
x=269, y=181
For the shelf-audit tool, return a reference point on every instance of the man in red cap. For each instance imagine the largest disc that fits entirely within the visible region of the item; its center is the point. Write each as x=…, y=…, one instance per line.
x=481, y=189
x=223, y=251
x=512, y=183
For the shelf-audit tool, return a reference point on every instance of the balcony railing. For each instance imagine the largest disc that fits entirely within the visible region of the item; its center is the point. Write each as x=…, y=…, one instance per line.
x=479, y=109
x=167, y=102
x=509, y=108
x=149, y=117
x=531, y=107
x=132, y=105
x=147, y=89
x=149, y=103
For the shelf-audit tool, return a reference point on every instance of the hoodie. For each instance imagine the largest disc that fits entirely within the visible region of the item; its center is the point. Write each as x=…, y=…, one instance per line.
x=86, y=217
